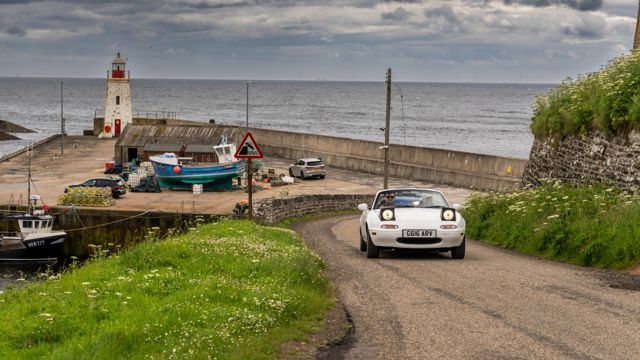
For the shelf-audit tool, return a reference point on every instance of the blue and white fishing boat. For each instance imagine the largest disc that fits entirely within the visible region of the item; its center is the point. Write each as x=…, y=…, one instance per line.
x=174, y=172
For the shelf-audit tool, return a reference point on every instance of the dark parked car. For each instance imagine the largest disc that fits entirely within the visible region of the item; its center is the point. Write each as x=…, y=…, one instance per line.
x=117, y=185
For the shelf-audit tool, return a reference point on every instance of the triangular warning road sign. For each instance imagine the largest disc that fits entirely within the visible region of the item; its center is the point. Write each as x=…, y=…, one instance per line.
x=248, y=148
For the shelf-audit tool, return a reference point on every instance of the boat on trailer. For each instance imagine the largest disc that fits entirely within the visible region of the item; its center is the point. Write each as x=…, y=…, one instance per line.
x=178, y=173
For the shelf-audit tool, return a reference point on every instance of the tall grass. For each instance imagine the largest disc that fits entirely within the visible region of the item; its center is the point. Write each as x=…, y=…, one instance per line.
x=608, y=100
x=231, y=290
x=586, y=225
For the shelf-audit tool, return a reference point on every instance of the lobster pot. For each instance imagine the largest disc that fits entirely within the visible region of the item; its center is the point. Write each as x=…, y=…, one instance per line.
x=197, y=189
x=134, y=179
x=147, y=167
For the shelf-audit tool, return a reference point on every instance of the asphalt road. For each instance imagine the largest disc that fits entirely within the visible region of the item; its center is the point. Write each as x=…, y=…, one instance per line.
x=494, y=304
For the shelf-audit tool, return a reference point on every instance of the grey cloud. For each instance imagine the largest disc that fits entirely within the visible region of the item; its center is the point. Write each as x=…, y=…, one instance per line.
x=444, y=12
x=16, y=31
x=582, y=5
x=398, y=14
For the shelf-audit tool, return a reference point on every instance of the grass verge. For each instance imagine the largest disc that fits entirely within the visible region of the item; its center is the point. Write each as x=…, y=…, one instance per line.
x=585, y=225
x=232, y=290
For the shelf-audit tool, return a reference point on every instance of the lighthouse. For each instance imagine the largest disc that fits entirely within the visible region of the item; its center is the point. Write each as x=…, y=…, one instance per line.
x=117, y=109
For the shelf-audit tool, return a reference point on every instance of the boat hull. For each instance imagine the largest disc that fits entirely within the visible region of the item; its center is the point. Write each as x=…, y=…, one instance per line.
x=38, y=248
x=211, y=177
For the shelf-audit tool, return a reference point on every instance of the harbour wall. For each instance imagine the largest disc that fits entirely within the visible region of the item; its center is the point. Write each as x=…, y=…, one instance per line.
x=593, y=157
x=448, y=167
x=90, y=230
x=271, y=211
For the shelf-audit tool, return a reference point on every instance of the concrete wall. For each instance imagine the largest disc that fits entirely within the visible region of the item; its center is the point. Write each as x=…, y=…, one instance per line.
x=590, y=158
x=271, y=211
x=456, y=168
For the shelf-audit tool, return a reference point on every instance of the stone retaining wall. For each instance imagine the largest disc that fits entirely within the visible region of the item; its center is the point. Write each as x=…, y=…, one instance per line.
x=586, y=158
x=271, y=211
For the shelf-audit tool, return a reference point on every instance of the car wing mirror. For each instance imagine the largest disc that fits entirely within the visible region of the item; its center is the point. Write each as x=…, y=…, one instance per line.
x=457, y=207
x=363, y=207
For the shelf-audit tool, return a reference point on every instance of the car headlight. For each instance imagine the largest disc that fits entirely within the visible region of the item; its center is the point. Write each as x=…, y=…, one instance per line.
x=387, y=214
x=448, y=214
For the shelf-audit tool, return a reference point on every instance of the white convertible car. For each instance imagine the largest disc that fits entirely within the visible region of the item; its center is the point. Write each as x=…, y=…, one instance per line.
x=407, y=218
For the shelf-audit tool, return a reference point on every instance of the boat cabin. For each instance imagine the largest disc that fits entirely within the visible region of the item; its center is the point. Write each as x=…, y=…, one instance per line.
x=38, y=223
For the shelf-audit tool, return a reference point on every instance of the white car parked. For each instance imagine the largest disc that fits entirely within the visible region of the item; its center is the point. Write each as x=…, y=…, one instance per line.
x=408, y=218
x=309, y=167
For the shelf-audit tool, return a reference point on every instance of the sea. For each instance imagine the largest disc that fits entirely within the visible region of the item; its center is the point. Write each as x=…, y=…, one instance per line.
x=483, y=118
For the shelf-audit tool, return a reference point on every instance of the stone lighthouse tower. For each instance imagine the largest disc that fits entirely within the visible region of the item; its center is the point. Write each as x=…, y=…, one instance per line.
x=117, y=109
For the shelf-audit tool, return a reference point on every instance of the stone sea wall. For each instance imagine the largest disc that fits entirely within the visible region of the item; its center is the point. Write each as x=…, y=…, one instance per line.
x=270, y=211
x=586, y=158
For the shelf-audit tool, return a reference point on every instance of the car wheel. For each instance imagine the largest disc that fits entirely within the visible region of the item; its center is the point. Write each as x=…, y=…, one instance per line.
x=290, y=173
x=372, y=250
x=321, y=176
x=458, y=251
x=302, y=175
x=363, y=244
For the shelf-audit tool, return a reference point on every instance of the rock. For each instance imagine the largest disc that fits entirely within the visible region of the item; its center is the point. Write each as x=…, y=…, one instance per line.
x=6, y=136
x=7, y=126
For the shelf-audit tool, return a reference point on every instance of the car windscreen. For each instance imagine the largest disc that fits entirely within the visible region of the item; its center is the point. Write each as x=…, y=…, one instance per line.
x=314, y=163
x=411, y=199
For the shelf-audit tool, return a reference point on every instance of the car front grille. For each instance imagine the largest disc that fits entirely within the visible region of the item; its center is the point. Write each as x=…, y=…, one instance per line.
x=419, y=241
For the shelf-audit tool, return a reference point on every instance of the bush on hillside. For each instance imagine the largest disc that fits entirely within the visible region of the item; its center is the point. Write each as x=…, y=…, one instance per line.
x=592, y=225
x=608, y=100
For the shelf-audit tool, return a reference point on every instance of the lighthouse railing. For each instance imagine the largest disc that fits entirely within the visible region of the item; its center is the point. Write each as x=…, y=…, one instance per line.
x=142, y=114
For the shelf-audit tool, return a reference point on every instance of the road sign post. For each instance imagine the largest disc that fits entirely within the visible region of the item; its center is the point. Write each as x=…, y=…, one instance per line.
x=249, y=150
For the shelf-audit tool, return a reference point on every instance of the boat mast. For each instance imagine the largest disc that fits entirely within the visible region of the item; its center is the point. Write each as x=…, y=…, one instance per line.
x=29, y=153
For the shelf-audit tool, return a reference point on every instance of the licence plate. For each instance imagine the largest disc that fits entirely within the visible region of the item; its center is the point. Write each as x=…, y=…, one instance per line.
x=419, y=233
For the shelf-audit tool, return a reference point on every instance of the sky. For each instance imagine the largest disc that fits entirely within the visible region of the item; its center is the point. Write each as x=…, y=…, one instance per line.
x=513, y=41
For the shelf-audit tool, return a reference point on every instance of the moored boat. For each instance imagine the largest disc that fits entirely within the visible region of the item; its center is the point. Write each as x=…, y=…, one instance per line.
x=29, y=236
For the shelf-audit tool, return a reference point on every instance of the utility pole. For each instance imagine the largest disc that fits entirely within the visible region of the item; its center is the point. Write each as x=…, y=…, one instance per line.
x=636, y=40
x=61, y=120
x=248, y=82
x=386, y=131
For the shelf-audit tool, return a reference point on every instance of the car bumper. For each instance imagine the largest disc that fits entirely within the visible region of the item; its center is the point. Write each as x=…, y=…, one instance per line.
x=392, y=238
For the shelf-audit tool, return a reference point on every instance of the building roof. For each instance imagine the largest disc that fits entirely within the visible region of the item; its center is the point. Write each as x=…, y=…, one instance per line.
x=162, y=147
x=192, y=148
x=142, y=135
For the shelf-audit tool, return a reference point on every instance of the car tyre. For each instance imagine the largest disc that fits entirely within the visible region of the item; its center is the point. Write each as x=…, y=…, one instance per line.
x=458, y=251
x=290, y=173
x=302, y=175
x=363, y=244
x=372, y=250
x=322, y=176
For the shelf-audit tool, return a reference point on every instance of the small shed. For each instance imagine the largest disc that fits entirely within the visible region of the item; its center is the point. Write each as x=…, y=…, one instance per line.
x=201, y=153
x=159, y=149
x=157, y=139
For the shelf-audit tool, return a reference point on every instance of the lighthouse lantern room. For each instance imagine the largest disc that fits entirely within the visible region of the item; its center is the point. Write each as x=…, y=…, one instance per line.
x=117, y=110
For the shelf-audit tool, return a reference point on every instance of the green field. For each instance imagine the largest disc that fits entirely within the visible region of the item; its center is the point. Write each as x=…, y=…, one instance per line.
x=585, y=225
x=232, y=290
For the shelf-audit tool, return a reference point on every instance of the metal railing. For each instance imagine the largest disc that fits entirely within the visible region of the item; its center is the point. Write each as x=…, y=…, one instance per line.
x=144, y=114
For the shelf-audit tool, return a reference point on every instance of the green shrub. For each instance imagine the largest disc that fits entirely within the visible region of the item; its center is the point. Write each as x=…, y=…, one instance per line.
x=608, y=100
x=593, y=225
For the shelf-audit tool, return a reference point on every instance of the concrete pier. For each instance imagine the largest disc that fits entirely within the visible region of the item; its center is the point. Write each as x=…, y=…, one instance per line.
x=85, y=158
